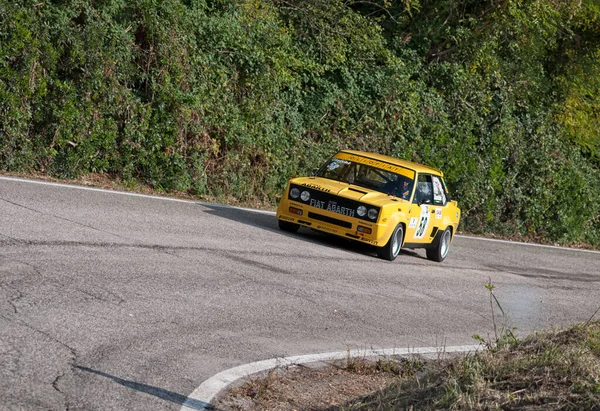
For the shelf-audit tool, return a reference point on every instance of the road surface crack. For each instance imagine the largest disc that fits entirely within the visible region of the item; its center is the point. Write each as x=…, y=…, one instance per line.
x=15, y=296
x=110, y=298
x=13, y=301
x=11, y=240
x=57, y=389
x=61, y=218
x=72, y=354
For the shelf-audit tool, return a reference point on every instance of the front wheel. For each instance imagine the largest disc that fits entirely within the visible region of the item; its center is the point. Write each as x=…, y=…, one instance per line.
x=391, y=250
x=289, y=227
x=440, y=251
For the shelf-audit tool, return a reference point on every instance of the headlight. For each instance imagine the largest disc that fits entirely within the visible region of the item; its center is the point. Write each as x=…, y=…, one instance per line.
x=361, y=211
x=294, y=193
x=373, y=214
x=305, y=196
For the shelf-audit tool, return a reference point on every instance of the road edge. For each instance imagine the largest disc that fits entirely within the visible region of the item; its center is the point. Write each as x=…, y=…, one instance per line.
x=201, y=203
x=201, y=397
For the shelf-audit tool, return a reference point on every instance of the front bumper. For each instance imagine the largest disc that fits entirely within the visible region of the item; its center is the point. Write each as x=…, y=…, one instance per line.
x=333, y=223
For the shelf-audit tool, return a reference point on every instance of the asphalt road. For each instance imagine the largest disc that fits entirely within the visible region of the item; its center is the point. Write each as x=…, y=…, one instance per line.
x=111, y=301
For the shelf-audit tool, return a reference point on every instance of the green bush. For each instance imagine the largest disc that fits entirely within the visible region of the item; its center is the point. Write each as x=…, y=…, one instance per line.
x=231, y=98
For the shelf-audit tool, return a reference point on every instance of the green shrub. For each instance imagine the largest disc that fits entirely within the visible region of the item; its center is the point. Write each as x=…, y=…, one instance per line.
x=231, y=98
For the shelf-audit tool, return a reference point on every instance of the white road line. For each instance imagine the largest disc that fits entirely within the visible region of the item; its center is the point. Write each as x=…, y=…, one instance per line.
x=201, y=397
x=98, y=190
x=126, y=193
x=101, y=190
x=495, y=240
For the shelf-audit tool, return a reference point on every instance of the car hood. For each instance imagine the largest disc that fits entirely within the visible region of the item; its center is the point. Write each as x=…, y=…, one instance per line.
x=345, y=190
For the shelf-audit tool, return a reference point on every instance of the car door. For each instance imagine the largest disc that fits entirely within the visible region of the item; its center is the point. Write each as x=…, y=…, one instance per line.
x=427, y=209
x=440, y=199
x=421, y=211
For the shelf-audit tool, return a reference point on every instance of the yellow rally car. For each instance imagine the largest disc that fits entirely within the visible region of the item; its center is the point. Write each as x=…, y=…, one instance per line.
x=375, y=199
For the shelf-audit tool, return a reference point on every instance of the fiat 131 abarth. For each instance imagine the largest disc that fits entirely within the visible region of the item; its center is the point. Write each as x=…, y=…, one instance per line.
x=374, y=199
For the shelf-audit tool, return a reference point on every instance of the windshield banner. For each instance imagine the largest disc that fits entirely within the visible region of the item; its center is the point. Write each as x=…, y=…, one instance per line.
x=377, y=164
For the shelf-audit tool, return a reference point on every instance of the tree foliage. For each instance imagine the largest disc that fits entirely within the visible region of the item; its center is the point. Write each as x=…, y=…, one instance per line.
x=227, y=97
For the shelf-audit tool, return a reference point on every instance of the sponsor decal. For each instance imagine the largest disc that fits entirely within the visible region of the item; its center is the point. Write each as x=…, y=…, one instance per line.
x=332, y=206
x=377, y=164
x=323, y=228
x=438, y=213
x=286, y=218
x=413, y=222
x=438, y=192
x=457, y=214
x=316, y=187
x=423, y=222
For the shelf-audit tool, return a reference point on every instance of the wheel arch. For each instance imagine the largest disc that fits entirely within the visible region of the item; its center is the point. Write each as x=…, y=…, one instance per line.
x=403, y=224
x=438, y=236
x=393, y=221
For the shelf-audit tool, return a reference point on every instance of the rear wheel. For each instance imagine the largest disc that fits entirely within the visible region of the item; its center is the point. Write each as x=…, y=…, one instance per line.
x=289, y=227
x=441, y=249
x=391, y=250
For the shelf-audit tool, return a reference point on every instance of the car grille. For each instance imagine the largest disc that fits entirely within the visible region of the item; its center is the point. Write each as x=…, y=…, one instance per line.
x=333, y=203
x=330, y=220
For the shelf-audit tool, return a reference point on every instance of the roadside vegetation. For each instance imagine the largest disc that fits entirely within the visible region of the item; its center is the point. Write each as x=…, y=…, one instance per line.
x=553, y=370
x=230, y=98
x=557, y=370
x=549, y=370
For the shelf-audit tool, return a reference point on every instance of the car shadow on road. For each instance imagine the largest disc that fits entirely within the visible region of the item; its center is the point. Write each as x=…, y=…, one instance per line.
x=267, y=221
x=155, y=391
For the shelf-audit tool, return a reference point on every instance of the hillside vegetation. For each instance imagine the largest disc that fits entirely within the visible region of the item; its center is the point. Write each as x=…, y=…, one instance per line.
x=228, y=97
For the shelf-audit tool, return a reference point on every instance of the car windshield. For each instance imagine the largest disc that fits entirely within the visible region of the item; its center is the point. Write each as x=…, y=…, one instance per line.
x=373, y=178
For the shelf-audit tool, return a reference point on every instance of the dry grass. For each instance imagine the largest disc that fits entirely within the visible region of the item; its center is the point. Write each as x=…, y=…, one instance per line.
x=546, y=371
x=318, y=386
x=558, y=370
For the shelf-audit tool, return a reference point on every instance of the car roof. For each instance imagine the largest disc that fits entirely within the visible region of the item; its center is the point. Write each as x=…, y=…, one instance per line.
x=419, y=168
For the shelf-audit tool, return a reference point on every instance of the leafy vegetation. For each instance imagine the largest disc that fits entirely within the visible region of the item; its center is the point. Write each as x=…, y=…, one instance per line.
x=233, y=97
x=551, y=370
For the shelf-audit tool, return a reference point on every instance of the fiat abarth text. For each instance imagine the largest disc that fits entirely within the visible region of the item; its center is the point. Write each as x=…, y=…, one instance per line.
x=375, y=199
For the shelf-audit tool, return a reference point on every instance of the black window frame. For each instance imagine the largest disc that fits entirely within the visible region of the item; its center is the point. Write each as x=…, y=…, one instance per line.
x=417, y=199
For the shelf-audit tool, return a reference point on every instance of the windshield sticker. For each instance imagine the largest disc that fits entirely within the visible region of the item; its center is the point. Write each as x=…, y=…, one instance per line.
x=377, y=164
x=423, y=222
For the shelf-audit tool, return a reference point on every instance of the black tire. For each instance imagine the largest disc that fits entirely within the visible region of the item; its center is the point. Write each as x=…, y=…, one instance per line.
x=440, y=251
x=289, y=227
x=391, y=250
